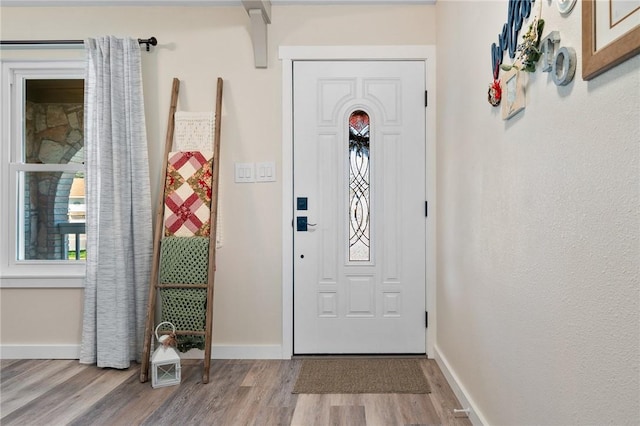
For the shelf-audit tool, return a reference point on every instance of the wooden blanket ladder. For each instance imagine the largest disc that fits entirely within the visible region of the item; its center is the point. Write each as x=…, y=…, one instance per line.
x=154, y=285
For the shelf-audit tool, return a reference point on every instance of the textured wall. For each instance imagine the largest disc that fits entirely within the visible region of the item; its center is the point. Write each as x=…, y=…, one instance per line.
x=538, y=232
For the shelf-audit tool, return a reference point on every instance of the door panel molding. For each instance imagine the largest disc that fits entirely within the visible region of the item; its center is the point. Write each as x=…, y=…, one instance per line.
x=289, y=54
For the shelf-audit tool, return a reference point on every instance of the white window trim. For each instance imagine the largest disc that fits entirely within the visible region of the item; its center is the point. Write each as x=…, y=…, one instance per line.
x=27, y=273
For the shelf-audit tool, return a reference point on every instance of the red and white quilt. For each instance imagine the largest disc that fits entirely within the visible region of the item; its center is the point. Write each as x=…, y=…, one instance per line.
x=187, y=204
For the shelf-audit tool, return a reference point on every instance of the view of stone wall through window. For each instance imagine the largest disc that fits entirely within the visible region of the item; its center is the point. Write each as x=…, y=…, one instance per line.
x=53, y=207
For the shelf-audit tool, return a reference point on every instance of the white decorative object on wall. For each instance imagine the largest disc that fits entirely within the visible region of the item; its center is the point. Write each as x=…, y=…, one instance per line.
x=564, y=66
x=565, y=6
x=548, y=47
x=559, y=61
x=513, y=98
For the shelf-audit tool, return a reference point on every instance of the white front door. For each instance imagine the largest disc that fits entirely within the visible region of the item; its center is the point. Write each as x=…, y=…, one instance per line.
x=359, y=207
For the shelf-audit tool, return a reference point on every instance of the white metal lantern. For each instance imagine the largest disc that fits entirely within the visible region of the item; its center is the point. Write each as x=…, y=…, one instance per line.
x=165, y=362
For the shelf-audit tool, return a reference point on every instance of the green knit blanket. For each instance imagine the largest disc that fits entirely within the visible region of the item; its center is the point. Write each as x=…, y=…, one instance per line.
x=184, y=260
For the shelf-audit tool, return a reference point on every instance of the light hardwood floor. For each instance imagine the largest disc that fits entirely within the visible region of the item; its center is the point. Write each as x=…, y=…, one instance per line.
x=240, y=392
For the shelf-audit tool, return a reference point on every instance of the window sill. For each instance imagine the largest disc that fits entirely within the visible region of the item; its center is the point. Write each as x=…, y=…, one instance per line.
x=70, y=277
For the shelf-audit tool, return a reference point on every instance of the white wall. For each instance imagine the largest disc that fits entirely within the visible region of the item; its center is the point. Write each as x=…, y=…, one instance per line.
x=197, y=45
x=538, y=232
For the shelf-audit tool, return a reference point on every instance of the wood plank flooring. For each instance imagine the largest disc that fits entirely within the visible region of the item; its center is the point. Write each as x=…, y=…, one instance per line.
x=240, y=392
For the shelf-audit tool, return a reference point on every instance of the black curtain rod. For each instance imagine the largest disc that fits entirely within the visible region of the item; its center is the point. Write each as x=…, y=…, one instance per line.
x=151, y=41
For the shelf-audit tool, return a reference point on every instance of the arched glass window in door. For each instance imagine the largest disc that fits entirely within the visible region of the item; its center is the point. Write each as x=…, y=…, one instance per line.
x=359, y=187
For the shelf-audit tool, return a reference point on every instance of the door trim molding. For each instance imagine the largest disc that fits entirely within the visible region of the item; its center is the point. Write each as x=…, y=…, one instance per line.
x=289, y=54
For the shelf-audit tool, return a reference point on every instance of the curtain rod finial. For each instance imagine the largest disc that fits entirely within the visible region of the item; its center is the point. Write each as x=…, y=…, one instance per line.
x=151, y=41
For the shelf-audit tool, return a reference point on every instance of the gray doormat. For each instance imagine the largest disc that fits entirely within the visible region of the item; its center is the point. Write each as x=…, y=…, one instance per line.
x=361, y=375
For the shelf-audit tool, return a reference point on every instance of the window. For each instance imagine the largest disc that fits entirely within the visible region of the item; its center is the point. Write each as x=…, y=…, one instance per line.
x=359, y=199
x=42, y=153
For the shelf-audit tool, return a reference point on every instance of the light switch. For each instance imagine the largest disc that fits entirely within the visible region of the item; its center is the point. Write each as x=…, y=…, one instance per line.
x=244, y=173
x=266, y=172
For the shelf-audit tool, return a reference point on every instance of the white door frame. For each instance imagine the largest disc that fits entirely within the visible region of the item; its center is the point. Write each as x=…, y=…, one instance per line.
x=288, y=54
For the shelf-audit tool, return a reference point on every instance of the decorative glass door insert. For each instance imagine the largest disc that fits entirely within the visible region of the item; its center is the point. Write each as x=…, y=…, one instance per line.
x=359, y=185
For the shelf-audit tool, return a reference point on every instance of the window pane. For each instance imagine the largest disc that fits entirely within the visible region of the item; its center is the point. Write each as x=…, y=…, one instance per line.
x=54, y=116
x=359, y=199
x=52, y=216
x=51, y=208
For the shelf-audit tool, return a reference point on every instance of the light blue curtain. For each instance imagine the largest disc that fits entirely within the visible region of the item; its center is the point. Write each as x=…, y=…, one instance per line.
x=119, y=234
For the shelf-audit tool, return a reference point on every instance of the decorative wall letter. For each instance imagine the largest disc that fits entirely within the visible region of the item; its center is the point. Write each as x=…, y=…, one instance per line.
x=548, y=49
x=561, y=63
x=518, y=11
x=564, y=66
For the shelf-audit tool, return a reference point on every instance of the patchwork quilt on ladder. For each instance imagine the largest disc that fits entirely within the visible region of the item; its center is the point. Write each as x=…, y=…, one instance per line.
x=187, y=209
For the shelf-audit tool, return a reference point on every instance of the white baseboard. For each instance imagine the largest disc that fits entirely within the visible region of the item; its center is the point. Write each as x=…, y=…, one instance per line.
x=39, y=351
x=475, y=415
x=73, y=352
